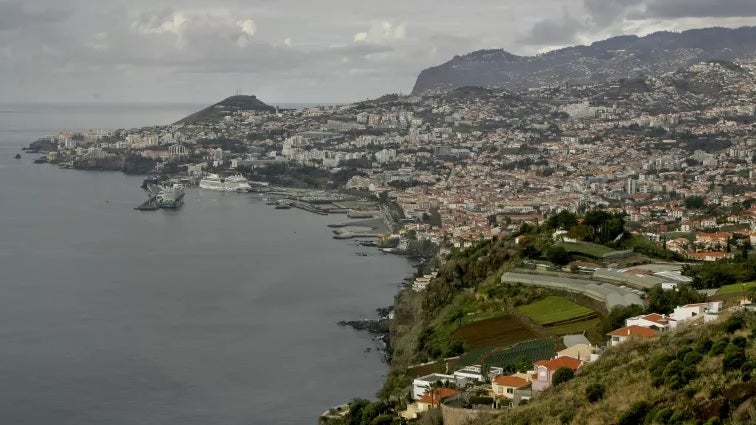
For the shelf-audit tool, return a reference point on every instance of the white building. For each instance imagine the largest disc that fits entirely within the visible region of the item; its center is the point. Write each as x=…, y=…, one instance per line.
x=690, y=311
x=472, y=374
x=421, y=385
x=653, y=321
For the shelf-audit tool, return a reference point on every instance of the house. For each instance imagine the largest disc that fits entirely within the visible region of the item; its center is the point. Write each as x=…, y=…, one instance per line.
x=618, y=336
x=427, y=401
x=711, y=240
x=544, y=370
x=586, y=352
x=710, y=255
x=434, y=398
x=576, y=339
x=652, y=321
x=421, y=385
x=689, y=311
x=503, y=387
x=474, y=373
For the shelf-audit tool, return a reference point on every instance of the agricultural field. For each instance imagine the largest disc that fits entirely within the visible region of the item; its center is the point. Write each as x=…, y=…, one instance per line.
x=736, y=289
x=497, y=332
x=528, y=352
x=472, y=318
x=574, y=327
x=585, y=248
x=555, y=310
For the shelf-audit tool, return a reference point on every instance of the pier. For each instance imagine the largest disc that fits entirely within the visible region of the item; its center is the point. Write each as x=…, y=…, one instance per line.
x=151, y=204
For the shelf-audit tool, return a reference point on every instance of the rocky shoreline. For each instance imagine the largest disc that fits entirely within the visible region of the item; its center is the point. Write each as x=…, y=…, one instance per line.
x=379, y=327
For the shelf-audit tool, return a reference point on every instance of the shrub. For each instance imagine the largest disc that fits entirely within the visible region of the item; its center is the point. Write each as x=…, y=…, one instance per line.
x=703, y=345
x=692, y=358
x=713, y=421
x=481, y=400
x=740, y=341
x=594, y=392
x=734, y=323
x=663, y=415
x=566, y=417
x=558, y=255
x=677, y=419
x=636, y=414
x=718, y=347
x=562, y=375
x=734, y=358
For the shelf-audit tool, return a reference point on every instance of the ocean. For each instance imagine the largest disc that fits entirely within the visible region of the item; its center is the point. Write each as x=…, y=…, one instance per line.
x=223, y=312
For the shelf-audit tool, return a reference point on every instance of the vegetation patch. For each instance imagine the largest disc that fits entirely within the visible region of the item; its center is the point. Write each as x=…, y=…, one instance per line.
x=497, y=332
x=737, y=289
x=585, y=248
x=555, y=310
x=521, y=356
x=574, y=327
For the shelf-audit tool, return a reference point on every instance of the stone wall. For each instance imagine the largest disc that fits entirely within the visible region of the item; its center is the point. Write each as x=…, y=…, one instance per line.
x=460, y=416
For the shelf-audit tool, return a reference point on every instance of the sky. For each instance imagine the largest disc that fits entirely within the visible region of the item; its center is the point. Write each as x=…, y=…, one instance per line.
x=296, y=50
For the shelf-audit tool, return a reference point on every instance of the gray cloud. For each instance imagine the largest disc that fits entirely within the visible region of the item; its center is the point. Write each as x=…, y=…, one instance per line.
x=291, y=50
x=550, y=32
x=699, y=8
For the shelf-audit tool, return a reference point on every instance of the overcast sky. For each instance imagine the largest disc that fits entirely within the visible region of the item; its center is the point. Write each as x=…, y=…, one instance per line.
x=296, y=50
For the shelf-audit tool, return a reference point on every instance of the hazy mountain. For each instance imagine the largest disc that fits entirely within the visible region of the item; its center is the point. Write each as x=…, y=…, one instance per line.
x=611, y=59
x=226, y=107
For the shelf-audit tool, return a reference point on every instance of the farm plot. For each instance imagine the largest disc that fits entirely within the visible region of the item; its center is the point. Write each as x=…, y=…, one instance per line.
x=555, y=310
x=497, y=332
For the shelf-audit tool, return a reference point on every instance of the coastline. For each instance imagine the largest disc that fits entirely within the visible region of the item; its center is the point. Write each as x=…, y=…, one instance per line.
x=121, y=207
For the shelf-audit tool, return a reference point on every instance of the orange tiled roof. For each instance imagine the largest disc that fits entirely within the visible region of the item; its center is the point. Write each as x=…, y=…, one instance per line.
x=510, y=381
x=657, y=318
x=437, y=395
x=633, y=330
x=564, y=361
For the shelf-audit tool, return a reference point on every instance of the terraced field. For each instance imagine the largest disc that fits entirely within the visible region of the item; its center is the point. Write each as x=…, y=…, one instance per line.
x=497, y=332
x=584, y=248
x=574, y=327
x=555, y=310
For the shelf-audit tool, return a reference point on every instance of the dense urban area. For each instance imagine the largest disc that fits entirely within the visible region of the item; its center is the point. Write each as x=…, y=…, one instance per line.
x=587, y=249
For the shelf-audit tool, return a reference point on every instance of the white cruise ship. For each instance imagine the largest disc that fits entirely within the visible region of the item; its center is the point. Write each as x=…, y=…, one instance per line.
x=212, y=181
x=235, y=183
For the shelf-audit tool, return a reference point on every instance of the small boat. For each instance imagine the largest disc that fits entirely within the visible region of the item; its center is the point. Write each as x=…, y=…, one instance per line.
x=18, y=156
x=283, y=206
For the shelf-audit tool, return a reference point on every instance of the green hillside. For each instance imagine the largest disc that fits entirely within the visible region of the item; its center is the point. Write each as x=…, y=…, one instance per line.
x=701, y=374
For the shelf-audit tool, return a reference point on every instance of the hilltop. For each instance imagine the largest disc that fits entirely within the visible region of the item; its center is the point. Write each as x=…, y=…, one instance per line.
x=611, y=59
x=226, y=107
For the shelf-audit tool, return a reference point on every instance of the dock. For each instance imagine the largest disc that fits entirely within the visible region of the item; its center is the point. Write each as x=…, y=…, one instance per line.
x=151, y=204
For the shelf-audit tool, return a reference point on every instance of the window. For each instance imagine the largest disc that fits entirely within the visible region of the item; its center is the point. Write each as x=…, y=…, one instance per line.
x=510, y=390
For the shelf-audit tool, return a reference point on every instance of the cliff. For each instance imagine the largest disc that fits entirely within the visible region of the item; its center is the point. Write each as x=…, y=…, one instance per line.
x=611, y=59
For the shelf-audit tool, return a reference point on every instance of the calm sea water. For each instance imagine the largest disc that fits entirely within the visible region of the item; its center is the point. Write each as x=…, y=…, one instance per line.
x=223, y=312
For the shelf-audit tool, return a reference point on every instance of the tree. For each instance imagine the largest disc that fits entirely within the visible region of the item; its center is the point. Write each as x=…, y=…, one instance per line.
x=618, y=314
x=562, y=375
x=558, y=255
x=531, y=251
x=563, y=220
x=694, y=202
x=664, y=302
x=594, y=392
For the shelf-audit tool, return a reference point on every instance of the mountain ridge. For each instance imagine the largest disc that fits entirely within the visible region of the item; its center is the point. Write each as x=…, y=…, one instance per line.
x=624, y=56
